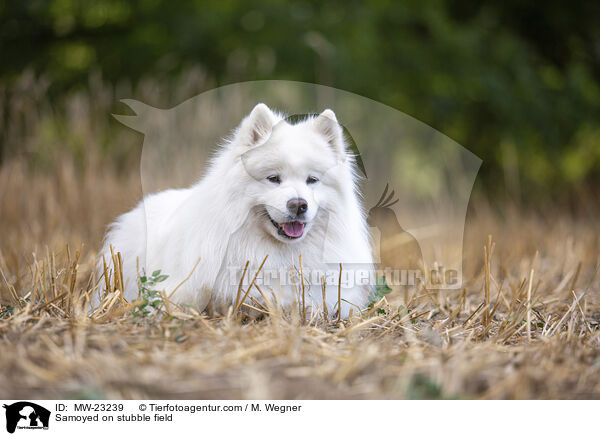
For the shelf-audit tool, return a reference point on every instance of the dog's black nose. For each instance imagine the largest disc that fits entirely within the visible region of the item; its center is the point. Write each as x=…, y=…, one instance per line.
x=297, y=206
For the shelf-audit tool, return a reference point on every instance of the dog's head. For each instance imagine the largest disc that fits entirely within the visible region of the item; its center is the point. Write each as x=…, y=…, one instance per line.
x=298, y=171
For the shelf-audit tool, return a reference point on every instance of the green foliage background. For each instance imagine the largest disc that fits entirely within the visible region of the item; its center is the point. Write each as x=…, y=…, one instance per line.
x=515, y=82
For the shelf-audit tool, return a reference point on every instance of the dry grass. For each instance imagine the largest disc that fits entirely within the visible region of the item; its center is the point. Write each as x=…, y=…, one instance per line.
x=527, y=324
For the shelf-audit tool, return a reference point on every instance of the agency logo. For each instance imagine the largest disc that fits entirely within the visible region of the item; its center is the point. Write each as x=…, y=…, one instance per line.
x=411, y=183
x=26, y=415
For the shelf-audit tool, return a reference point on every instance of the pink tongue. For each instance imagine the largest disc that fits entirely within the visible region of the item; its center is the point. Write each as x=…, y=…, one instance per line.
x=293, y=229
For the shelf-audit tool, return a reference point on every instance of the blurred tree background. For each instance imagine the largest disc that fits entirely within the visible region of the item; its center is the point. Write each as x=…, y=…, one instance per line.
x=515, y=82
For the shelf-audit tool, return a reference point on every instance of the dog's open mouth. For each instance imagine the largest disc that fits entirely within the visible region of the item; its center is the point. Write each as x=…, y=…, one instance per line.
x=290, y=230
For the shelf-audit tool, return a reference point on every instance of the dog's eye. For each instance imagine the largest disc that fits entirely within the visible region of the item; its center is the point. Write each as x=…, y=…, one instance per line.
x=274, y=179
x=311, y=179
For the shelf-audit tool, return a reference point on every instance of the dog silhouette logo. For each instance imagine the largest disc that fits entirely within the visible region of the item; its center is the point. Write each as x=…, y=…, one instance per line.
x=26, y=415
x=414, y=182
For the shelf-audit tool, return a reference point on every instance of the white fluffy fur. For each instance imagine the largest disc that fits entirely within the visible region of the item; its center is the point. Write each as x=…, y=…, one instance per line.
x=223, y=219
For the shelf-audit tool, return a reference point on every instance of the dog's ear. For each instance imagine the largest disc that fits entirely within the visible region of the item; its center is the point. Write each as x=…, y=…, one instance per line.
x=327, y=125
x=257, y=126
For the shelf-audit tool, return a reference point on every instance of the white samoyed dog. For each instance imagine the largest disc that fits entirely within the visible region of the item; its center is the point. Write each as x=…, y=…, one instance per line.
x=275, y=190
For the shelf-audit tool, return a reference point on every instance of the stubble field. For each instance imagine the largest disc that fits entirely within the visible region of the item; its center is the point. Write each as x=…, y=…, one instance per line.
x=525, y=326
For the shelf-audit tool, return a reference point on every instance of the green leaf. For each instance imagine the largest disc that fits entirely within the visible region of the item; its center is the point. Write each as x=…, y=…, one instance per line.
x=150, y=298
x=421, y=387
x=380, y=290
